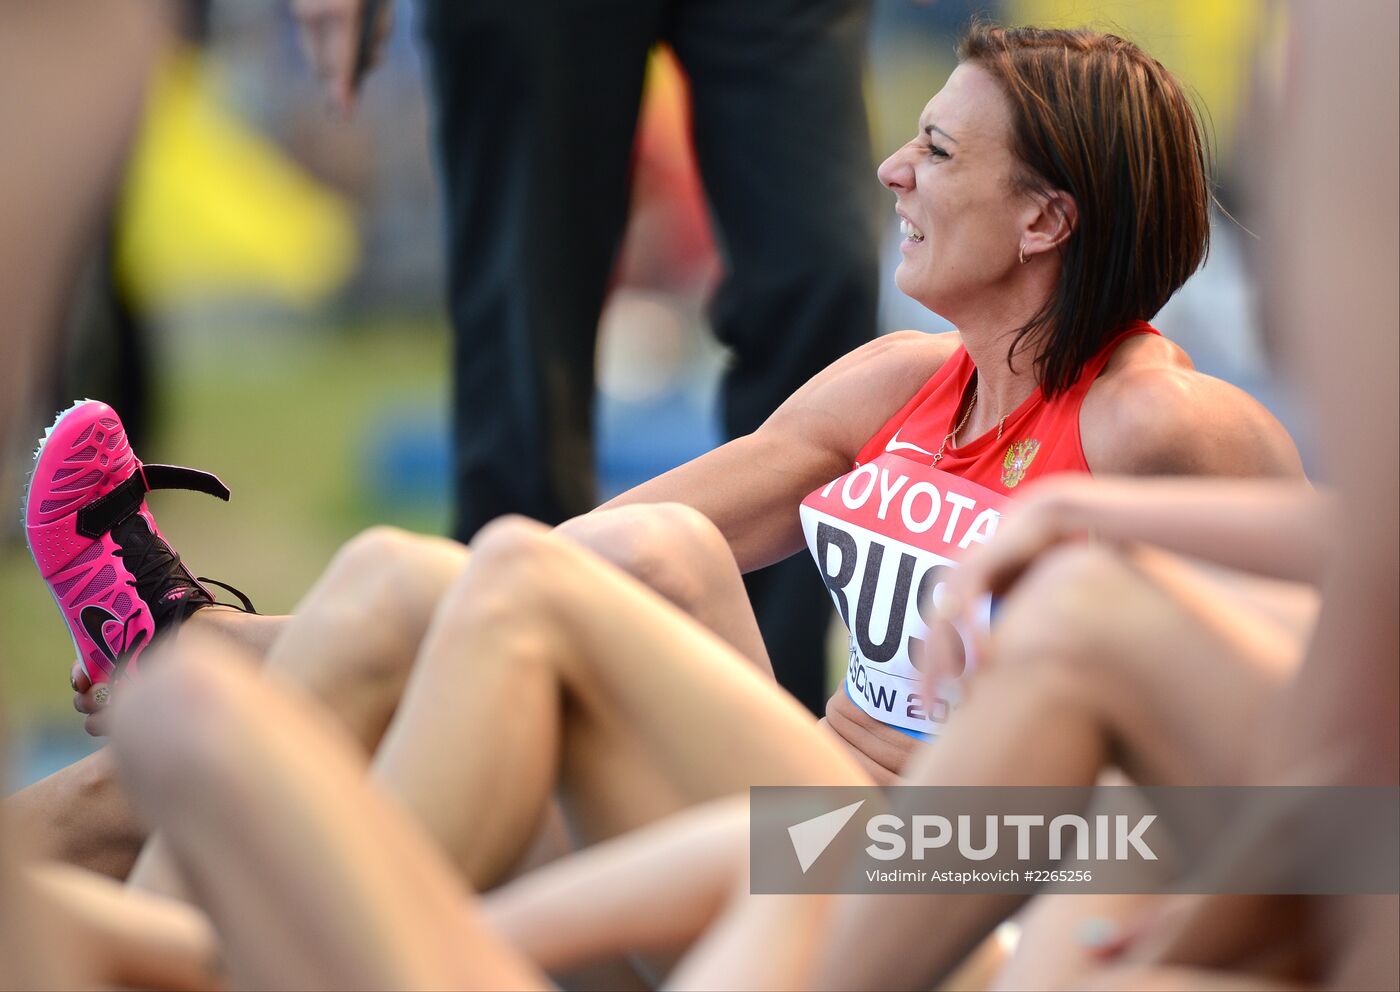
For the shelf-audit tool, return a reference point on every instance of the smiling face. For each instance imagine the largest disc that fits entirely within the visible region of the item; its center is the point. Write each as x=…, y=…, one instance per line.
x=961, y=212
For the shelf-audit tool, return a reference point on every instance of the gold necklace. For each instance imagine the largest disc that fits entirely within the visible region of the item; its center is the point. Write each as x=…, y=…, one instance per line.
x=938, y=456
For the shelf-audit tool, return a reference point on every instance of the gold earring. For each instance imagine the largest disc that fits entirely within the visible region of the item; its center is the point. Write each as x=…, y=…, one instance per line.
x=1021, y=253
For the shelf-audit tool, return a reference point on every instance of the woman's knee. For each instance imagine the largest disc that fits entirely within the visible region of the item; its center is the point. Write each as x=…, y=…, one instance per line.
x=507, y=604
x=388, y=570
x=516, y=562
x=1067, y=608
x=364, y=564
x=512, y=544
x=670, y=547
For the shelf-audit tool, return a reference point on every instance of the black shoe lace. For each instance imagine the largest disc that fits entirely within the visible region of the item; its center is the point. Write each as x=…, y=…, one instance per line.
x=157, y=565
x=154, y=567
x=246, y=603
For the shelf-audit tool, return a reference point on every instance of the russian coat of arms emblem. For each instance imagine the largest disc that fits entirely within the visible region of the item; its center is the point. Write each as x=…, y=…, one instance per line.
x=1019, y=456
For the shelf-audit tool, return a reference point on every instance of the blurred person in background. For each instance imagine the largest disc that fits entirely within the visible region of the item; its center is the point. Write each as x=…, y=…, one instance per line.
x=71, y=103
x=106, y=348
x=72, y=82
x=536, y=109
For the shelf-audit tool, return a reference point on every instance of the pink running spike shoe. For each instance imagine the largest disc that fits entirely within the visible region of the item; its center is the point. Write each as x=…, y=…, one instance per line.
x=116, y=581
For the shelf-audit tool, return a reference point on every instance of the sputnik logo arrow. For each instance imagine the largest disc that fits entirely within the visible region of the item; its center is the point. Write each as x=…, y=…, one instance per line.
x=811, y=837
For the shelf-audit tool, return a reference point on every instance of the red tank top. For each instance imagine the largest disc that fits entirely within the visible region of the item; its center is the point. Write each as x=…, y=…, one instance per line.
x=884, y=534
x=1039, y=437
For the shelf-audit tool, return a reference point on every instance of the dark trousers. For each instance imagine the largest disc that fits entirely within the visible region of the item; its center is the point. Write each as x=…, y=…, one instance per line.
x=535, y=106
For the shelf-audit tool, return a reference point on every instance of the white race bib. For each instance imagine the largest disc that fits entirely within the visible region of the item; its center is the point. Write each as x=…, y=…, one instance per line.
x=884, y=537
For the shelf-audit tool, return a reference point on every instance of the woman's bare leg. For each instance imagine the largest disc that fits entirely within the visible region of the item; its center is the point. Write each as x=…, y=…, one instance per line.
x=314, y=879
x=354, y=637
x=350, y=645
x=130, y=939
x=311, y=877
x=31, y=953
x=256, y=633
x=1171, y=685
x=680, y=883
x=545, y=666
x=655, y=889
x=80, y=815
x=676, y=551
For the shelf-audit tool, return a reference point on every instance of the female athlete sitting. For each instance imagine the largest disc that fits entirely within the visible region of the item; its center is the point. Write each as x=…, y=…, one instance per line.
x=569, y=651
x=1035, y=223
x=1046, y=221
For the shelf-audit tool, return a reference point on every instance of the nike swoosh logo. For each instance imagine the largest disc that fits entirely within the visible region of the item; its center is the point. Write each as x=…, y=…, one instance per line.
x=92, y=618
x=895, y=444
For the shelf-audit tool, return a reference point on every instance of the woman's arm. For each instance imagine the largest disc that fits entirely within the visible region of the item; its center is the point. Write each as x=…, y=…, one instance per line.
x=1275, y=528
x=752, y=486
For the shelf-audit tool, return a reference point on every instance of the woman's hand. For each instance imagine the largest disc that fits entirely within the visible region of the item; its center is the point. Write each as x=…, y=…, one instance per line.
x=956, y=611
x=90, y=699
x=1041, y=520
x=329, y=32
x=1258, y=933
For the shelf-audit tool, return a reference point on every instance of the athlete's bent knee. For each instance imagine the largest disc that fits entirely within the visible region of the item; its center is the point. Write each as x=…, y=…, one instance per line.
x=672, y=548
x=1058, y=611
x=514, y=561
x=370, y=564
x=509, y=539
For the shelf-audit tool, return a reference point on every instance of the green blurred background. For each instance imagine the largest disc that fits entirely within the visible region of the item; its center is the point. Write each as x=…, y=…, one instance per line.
x=281, y=415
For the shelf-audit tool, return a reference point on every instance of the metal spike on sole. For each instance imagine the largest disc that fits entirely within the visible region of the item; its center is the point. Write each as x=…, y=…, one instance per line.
x=29, y=482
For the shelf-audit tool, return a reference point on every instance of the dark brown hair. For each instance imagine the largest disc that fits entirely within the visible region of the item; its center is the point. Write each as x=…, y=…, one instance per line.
x=1098, y=118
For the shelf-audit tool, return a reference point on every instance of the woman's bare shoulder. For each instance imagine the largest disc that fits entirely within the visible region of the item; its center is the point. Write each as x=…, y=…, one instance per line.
x=1152, y=413
x=904, y=360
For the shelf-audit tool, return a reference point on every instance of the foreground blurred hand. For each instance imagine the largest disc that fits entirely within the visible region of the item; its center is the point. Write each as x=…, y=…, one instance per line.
x=1036, y=524
x=1235, y=523
x=330, y=33
x=956, y=609
x=1256, y=933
